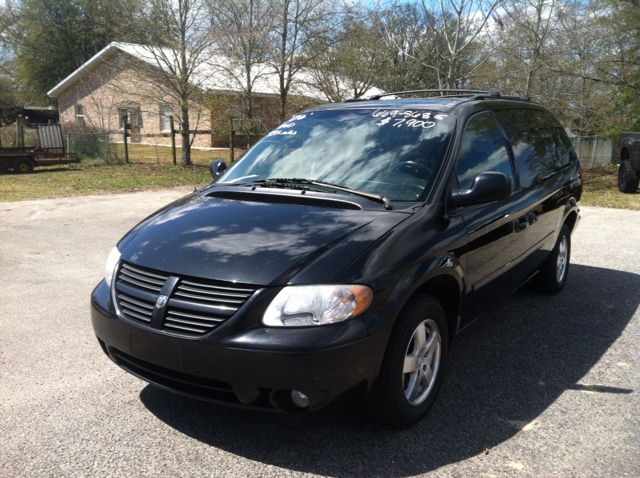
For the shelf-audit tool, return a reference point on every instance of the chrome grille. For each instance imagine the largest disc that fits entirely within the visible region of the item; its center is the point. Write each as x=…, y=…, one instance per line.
x=141, y=277
x=191, y=322
x=195, y=306
x=213, y=294
x=135, y=309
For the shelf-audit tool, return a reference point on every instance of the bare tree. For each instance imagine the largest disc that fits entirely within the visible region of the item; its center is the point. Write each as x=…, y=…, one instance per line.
x=455, y=27
x=298, y=24
x=242, y=28
x=176, y=56
x=524, y=31
x=349, y=68
x=409, y=48
x=596, y=50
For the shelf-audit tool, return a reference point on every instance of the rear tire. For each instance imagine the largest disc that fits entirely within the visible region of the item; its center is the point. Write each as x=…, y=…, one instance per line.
x=23, y=166
x=3, y=167
x=413, y=365
x=553, y=274
x=627, y=178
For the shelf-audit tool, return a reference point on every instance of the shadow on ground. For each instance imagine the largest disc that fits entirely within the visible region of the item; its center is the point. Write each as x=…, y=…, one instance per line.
x=505, y=370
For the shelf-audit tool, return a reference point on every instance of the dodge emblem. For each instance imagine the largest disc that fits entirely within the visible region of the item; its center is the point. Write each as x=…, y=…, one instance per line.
x=162, y=301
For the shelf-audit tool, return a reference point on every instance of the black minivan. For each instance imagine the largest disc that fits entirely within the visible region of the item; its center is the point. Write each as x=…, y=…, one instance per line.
x=343, y=252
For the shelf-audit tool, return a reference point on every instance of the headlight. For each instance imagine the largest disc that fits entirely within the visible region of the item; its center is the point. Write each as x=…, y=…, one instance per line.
x=297, y=306
x=112, y=262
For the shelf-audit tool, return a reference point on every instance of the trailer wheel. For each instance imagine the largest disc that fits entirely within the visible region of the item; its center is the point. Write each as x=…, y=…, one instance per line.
x=23, y=166
x=3, y=167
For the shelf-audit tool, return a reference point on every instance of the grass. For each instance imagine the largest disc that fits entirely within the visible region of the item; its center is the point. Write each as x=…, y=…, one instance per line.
x=148, y=153
x=601, y=190
x=88, y=178
x=150, y=168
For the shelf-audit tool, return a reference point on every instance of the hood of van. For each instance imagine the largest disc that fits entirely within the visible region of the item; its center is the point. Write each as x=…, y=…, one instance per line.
x=248, y=242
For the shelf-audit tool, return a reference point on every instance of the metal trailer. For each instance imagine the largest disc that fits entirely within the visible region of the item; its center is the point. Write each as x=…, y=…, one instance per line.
x=51, y=151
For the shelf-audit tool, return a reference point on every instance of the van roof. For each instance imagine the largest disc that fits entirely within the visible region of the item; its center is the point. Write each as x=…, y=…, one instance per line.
x=438, y=100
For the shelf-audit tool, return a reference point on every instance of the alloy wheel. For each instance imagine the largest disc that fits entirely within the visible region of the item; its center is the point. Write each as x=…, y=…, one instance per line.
x=421, y=362
x=561, y=263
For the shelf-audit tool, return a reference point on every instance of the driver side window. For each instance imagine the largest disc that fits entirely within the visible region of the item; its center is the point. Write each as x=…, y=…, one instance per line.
x=483, y=149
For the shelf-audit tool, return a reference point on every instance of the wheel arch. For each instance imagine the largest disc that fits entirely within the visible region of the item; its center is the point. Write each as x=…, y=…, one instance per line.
x=571, y=220
x=446, y=290
x=441, y=277
x=624, y=153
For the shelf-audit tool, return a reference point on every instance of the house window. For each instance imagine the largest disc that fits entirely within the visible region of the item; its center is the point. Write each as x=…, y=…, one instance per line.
x=130, y=115
x=165, y=120
x=237, y=120
x=242, y=123
x=79, y=115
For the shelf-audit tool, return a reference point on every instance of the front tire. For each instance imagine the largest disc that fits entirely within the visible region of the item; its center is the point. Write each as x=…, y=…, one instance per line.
x=413, y=365
x=553, y=274
x=627, y=178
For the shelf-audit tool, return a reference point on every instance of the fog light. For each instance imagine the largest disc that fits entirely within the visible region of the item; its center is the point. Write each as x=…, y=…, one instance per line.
x=299, y=399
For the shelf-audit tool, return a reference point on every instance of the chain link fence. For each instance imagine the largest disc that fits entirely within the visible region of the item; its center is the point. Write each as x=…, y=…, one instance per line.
x=595, y=151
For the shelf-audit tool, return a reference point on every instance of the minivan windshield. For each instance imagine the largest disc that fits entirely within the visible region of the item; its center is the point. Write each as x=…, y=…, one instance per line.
x=392, y=152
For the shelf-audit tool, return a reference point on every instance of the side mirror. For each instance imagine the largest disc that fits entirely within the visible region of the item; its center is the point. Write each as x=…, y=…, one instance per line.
x=487, y=187
x=217, y=168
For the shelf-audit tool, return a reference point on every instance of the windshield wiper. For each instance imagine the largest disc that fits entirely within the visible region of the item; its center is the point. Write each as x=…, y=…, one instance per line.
x=292, y=183
x=277, y=181
x=374, y=197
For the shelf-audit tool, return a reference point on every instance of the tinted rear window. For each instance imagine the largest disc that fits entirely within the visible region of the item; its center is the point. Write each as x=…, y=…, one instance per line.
x=539, y=142
x=556, y=133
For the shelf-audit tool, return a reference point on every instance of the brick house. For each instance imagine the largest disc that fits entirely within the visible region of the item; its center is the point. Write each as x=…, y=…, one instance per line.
x=108, y=91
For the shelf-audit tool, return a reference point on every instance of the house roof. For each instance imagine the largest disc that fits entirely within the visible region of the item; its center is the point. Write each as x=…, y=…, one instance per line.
x=218, y=73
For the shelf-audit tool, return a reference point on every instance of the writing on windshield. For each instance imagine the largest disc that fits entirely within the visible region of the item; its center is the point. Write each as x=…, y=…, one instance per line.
x=392, y=152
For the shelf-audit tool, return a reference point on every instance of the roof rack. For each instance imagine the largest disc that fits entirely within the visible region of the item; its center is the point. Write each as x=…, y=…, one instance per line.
x=457, y=93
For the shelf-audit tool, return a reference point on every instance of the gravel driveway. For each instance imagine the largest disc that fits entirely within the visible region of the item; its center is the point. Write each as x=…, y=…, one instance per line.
x=540, y=386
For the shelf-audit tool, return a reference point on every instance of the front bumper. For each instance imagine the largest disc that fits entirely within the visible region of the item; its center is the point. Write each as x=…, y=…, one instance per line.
x=256, y=367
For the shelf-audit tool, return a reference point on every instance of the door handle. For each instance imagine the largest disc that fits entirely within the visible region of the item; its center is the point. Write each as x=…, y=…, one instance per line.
x=533, y=216
x=521, y=223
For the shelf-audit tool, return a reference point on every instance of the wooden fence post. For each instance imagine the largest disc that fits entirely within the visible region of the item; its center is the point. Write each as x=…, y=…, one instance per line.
x=173, y=139
x=211, y=123
x=126, y=147
x=231, y=133
x=19, y=133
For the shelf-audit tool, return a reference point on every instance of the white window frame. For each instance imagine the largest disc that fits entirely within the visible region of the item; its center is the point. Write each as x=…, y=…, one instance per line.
x=127, y=114
x=165, y=118
x=80, y=118
x=240, y=122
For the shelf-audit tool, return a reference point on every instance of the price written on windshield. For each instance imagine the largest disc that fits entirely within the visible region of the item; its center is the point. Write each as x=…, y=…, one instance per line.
x=409, y=118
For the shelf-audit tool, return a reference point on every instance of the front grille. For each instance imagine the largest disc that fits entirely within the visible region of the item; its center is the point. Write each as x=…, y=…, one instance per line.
x=209, y=293
x=194, y=307
x=185, y=320
x=135, y=309
x=142, y=278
